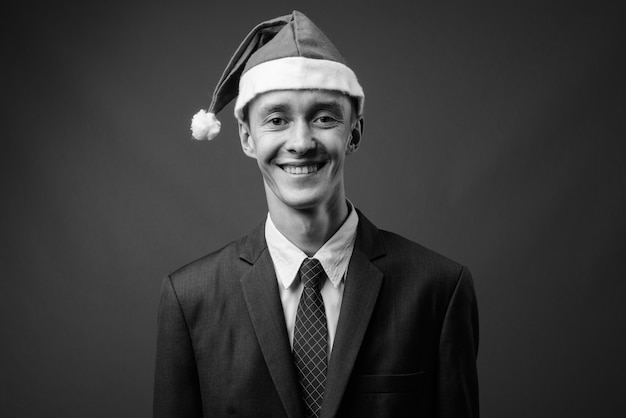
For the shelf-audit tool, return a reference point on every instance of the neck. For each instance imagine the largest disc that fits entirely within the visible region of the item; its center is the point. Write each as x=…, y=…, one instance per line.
x=308, y=229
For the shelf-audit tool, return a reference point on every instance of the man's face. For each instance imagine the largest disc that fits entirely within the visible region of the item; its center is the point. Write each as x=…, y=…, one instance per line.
x=300, y=139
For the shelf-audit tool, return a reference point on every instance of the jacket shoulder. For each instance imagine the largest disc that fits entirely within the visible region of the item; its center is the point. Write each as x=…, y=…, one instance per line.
x=412, y=269
x=219, y=270
x=397, y=246
x=209, y=261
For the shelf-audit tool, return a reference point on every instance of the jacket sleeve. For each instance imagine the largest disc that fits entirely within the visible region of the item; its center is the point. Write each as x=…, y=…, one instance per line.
x=176, y=385
x=457, y=378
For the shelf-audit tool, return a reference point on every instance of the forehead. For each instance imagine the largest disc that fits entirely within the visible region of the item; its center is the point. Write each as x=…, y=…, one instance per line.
x=299, y=100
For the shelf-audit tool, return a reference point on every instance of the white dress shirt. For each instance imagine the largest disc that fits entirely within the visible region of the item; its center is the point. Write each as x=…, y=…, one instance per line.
x=334, y=256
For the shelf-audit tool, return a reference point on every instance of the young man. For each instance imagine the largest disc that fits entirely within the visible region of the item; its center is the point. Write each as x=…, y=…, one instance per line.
x=316, y=312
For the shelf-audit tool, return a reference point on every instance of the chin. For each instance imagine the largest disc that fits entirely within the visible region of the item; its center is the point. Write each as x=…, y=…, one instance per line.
x=302, y=203
x=302, y=199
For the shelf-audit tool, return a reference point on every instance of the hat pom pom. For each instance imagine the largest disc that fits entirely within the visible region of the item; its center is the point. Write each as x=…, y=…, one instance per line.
x=204, y=125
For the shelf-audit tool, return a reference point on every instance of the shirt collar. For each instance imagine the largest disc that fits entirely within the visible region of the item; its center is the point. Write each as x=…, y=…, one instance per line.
x=334, y=255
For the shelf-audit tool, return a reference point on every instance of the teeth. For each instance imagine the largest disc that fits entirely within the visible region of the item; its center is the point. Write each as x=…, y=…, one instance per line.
x=306, y=169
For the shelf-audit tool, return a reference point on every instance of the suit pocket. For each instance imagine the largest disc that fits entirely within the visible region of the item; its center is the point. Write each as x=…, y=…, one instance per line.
x=388, y=383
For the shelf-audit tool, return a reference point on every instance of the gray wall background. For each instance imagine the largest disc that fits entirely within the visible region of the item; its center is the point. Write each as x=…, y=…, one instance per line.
x=493, y=134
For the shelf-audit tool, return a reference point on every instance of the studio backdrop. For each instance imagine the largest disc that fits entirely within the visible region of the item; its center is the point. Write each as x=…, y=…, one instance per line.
x=494, y=134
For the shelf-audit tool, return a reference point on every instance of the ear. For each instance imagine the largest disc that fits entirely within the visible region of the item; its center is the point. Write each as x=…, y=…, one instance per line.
x=355, y=136
x=247, y=144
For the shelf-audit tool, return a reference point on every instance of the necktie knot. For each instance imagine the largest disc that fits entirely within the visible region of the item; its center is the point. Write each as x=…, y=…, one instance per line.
x=311, y=273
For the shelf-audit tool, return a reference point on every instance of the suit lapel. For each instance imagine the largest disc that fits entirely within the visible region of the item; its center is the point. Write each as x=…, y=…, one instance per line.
x=263, y=301
x=361, y=291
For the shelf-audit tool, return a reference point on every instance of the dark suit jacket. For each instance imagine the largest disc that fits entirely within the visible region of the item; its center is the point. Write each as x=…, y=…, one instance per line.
x=406, y=340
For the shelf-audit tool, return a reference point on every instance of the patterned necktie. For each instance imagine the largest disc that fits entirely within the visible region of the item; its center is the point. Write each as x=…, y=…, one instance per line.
x=310, y=339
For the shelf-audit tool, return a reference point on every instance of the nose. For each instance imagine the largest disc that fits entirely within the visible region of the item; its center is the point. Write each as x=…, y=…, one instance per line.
x=301, y=141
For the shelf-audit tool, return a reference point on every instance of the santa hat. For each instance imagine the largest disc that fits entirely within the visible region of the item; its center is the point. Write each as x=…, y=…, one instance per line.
x=285, y=53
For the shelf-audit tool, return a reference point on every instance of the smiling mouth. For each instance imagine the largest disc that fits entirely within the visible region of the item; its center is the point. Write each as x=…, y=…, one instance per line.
x=301, y=169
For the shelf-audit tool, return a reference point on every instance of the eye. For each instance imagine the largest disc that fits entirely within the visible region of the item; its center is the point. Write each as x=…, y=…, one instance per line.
x=276, y=121
x=326, y=121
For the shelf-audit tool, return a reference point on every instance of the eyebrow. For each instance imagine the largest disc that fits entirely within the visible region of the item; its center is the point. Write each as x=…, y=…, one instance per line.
x=273, y=107
x=331, y=106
